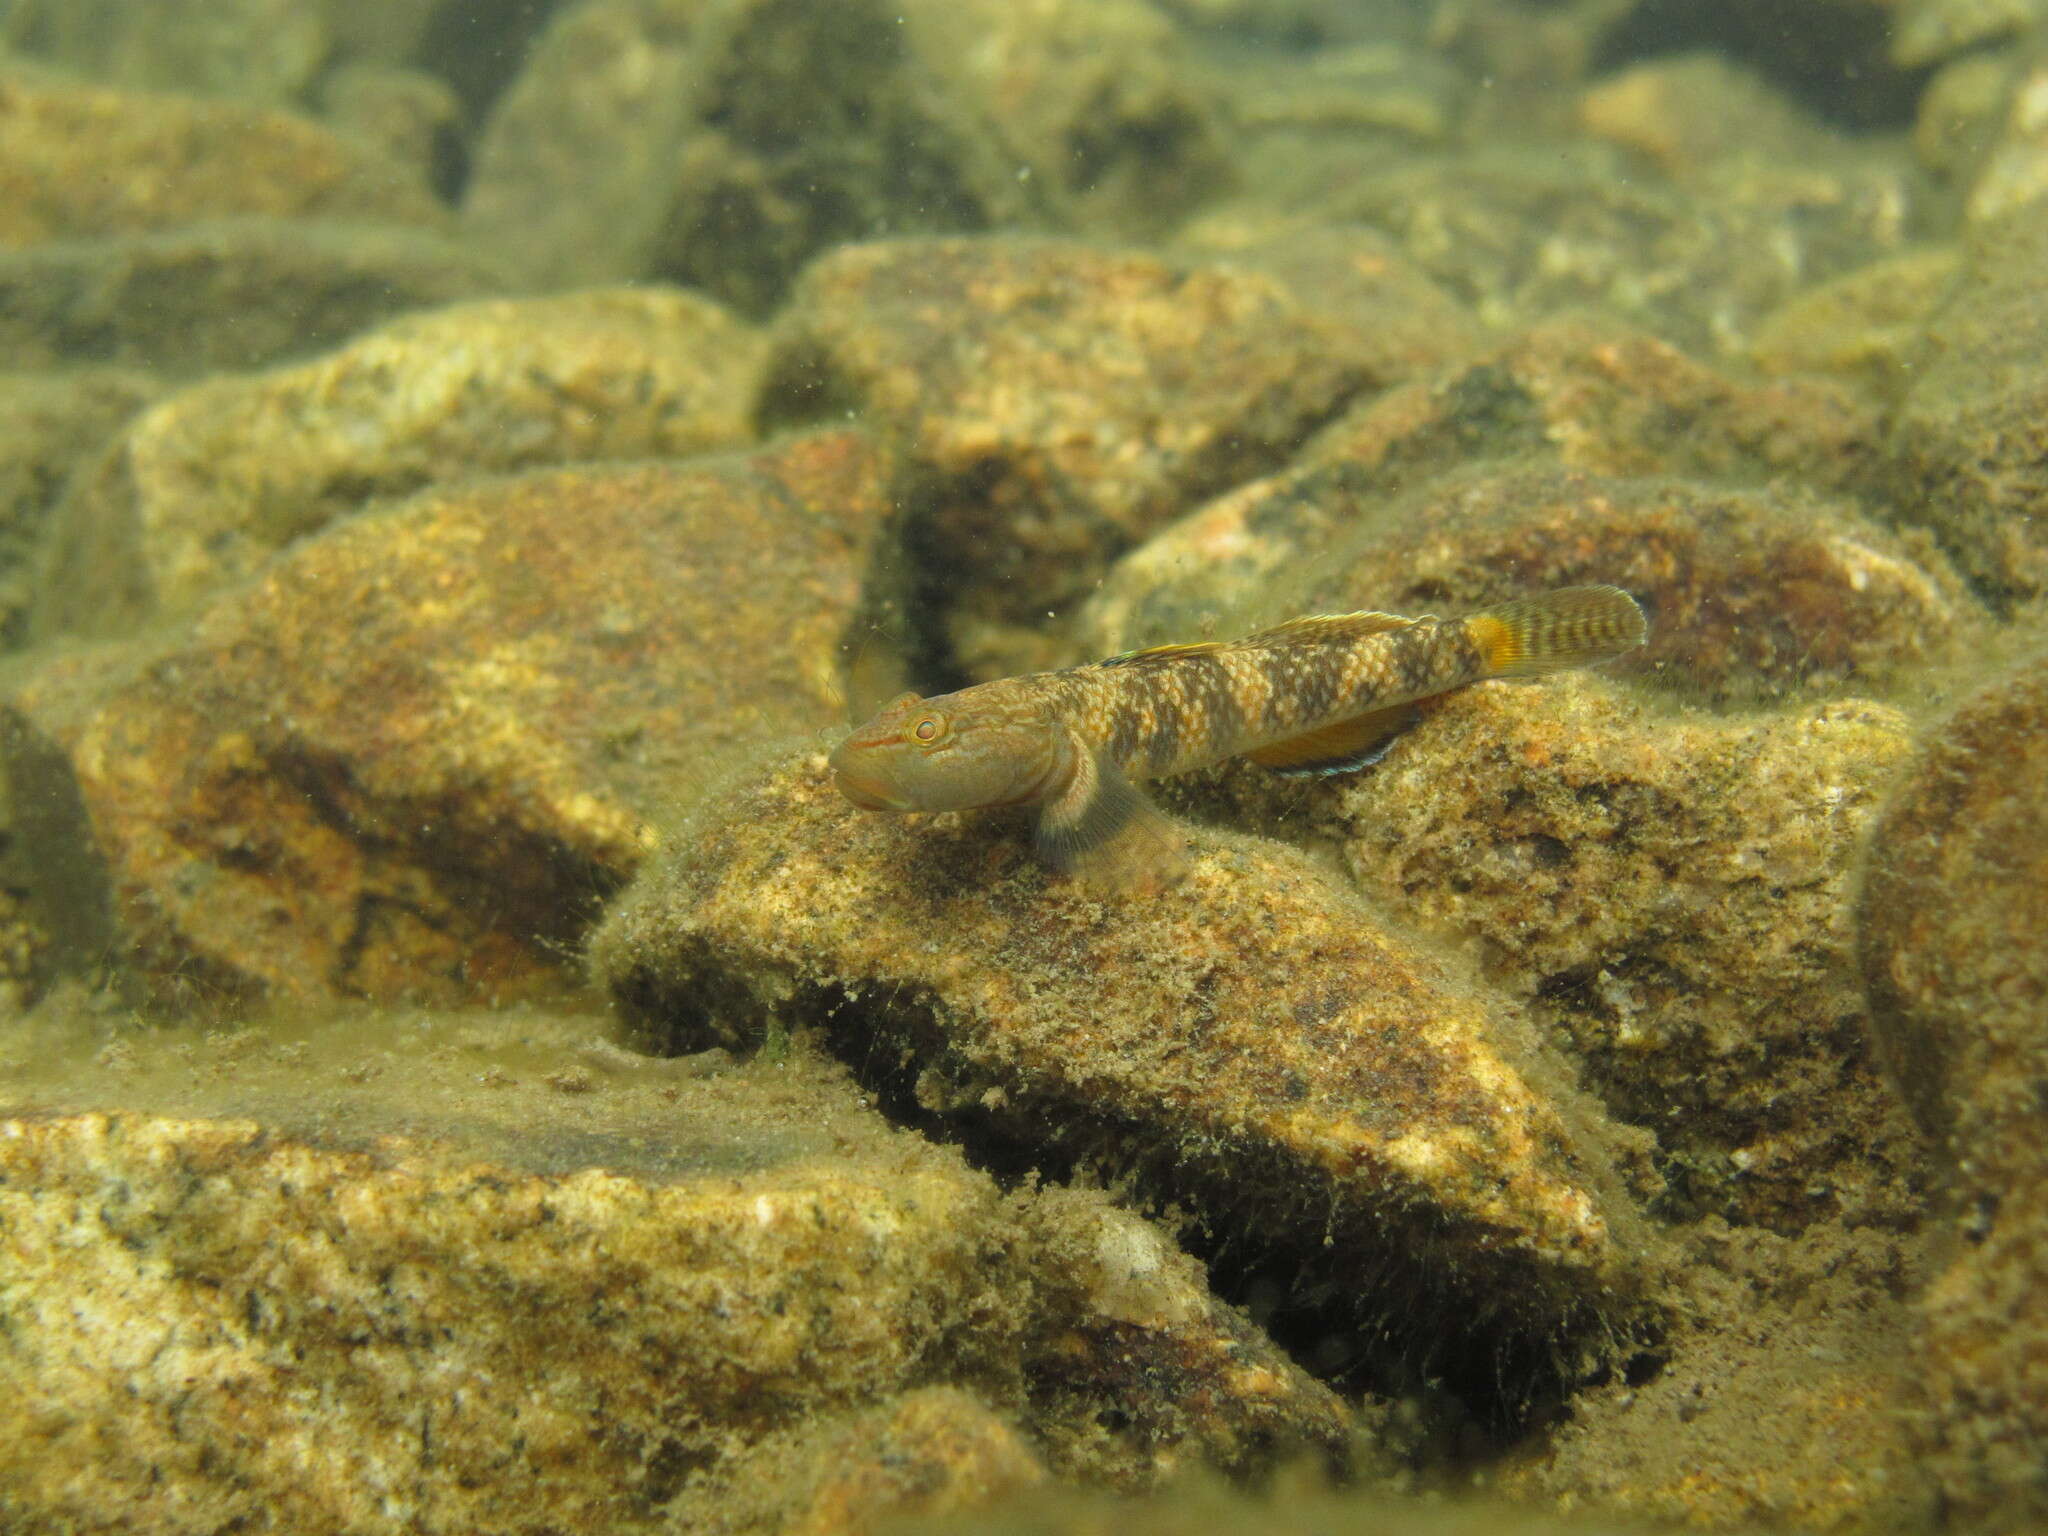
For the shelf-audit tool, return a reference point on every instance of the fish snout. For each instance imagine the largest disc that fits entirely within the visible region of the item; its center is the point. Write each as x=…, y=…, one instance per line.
x=862, y=777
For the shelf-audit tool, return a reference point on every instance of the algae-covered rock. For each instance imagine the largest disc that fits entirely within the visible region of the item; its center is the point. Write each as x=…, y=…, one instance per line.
x=1957, y=960
x=233, y=293
x=489, y=1273
x=51, y=424
x=1045, y=405
x=724, y=143
x=202, y=489
x=1674, y=899
x=412, y=757
x=82, y=160
x=1254, y=1043
x=1972, y=436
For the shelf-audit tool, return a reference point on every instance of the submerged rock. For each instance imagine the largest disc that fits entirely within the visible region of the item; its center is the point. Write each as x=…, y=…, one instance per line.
x=205, y=487
x=415, y=754
x=226, y=294
x=1573, y=453
x=489, y=1274
x=1673, y=898
x=1956, y=956
x=726, y=143
x=50, y=425
x=1972, y=436
x=82, y=160
x=1254, y=1044
x=1045, y=405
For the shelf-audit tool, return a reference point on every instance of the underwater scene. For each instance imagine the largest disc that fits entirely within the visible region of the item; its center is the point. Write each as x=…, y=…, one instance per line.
x=1046, y=766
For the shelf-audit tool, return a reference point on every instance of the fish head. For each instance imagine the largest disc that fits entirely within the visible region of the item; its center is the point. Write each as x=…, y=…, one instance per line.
x=958, y=752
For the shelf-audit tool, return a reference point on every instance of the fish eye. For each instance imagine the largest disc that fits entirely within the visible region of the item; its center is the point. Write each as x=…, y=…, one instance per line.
x=928, y=729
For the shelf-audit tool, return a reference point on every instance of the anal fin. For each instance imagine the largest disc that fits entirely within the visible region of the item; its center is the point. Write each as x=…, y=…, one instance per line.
x=1102, y=829
x=1338, y=748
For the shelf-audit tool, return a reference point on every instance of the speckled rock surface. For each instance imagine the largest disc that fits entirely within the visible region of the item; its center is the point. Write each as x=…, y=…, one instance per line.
x=1671, y=897
x=1254, y=1043
x=428, y=1272
x=82, y=160
x=414, y=756
x=1957, y=960
x=50, y=425
x=232, y=293
x=1045, y=405
x=723, y=143
x=202, y=489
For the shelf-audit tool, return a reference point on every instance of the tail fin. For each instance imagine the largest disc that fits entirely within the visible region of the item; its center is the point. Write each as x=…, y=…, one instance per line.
x=1571, y=627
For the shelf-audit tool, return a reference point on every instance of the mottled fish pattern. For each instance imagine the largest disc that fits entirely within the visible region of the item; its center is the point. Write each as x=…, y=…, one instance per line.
x=1323, y=694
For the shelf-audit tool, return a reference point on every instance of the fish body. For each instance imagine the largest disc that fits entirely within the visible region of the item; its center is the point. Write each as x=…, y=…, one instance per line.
x=1321, y=694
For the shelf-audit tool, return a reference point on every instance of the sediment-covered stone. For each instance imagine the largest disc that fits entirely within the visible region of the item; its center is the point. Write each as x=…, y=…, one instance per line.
x=418, y=1271
x=227, y=293
x=81, y=160
x=1674, y=897
x=203, y=488
x=413, y=756
x=1956, y=955
x=725, y=143
x=1046, y=405
x=1254, y=1043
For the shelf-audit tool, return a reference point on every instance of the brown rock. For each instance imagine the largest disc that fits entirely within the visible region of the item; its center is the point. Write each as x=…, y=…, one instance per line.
x=1970, y=438
x=1046, y=405
x=204, y=488
x=410, y=759
x=1673, y=899
x=82, y=160
x=1957, y=962
x=1253, y=1044
x=235, y=293
x=412, y=1285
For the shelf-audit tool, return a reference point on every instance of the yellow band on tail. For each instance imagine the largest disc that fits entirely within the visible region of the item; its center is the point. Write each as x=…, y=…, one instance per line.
x=1571, y=627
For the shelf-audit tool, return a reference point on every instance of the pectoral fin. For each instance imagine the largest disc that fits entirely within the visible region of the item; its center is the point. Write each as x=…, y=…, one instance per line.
x=1100, y=827
x=1338, y=748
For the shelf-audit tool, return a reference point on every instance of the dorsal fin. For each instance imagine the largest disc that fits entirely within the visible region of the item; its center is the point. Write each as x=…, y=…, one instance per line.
x=1154, y=654
x=1337, y=748
x=1329, y=629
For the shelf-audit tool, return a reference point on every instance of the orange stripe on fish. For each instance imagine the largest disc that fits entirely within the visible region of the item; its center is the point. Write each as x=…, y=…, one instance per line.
x=1321, y=694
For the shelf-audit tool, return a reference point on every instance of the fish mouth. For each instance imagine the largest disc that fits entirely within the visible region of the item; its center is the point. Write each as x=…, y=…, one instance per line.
x=869, y=791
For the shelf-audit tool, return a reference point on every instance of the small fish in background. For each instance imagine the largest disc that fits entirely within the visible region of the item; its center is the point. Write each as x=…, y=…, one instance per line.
x=1317, y=695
